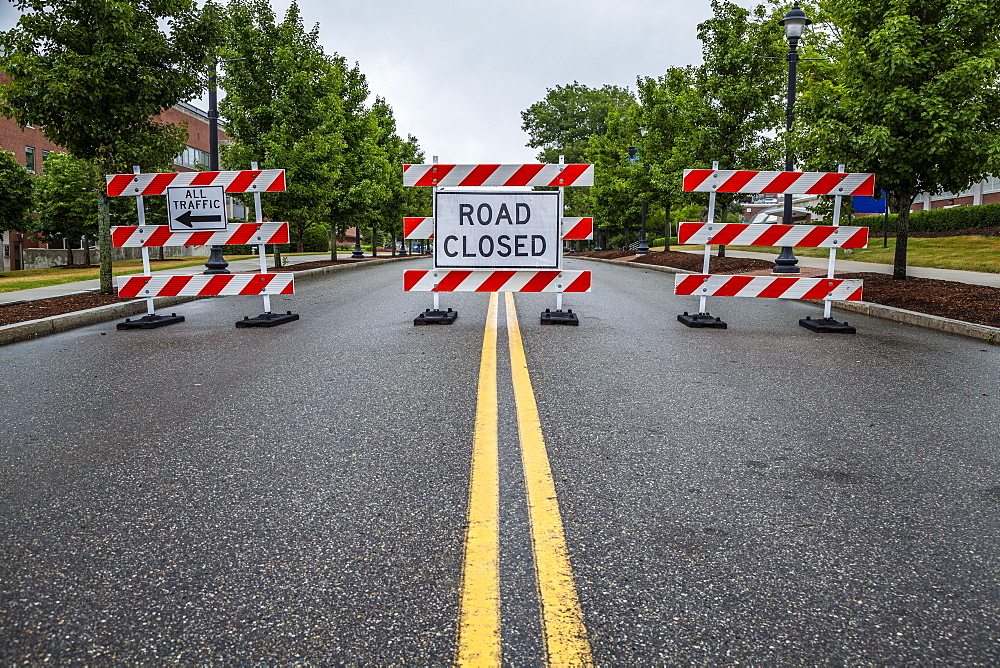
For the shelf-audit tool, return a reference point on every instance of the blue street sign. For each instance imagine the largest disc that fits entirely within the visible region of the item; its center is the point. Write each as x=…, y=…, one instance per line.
x=865, y=204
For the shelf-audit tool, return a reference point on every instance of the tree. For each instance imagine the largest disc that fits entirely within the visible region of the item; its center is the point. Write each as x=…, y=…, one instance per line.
x=910, y=94
x=15, y=194
x=94, y=73
x=66, y=198
x=283, y=109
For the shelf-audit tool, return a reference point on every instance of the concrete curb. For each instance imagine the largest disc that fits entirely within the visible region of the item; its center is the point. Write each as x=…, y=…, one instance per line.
x=966, y=329
x=22, y=331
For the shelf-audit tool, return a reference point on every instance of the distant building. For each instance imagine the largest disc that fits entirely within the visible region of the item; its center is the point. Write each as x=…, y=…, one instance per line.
x=30, y=147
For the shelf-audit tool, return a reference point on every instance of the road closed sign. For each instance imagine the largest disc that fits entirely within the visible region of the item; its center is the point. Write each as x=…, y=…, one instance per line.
x=194, y=208
x=494, y=230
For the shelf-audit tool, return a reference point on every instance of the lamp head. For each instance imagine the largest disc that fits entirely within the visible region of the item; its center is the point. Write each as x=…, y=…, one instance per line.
x=794, y=22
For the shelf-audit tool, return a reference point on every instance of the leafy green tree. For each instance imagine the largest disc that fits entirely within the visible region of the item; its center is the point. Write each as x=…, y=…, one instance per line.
x=910, y=93
x=15, y=194
x=66, y=198
x=283, y=109
x=94, y=73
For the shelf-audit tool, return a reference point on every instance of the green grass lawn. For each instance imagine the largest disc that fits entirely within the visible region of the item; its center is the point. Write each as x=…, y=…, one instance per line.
x=969, y=253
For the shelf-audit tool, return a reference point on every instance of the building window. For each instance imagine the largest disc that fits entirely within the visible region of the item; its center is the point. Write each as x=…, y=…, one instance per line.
x=29, y=158
x=192, y=158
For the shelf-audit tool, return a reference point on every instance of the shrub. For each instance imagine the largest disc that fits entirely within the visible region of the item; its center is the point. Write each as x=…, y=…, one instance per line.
x=939, y=220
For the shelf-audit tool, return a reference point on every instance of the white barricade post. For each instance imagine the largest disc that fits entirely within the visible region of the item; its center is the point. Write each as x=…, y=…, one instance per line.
x=497, y=240
x=197, y=218
x=834, y=236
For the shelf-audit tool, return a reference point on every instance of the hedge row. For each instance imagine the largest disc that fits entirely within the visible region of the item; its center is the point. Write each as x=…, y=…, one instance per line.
x=940, y=220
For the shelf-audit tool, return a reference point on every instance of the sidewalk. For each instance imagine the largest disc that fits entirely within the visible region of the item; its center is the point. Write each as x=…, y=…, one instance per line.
x=251, y=264
x=849, y=266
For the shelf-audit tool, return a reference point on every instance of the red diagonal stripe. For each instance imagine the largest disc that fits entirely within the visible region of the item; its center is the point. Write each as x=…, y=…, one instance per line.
x=524, y=174
x=688, y=230
x=198, y=239
x=410, y=224
x=256, y=285
x=411, y=277
x=495, y=281
x=732, y=286
x=121, y=235
x=858, y=239
x=822, y=289
x=581, y=284
x=827, y=184
x=288, y=289
x=174, y=286
x=782, y=182
x=569, y=175
x=540, y=281
x=772, y=235
x=243, y=181
x=159, y=237
x=158, y=184
x=735, y=182
x=118, y=184
x=243, y=234
x=728, y=233
x=689, y=284
x=451, y=281
x=432, y=177
x=581, y=230
x=855, y=296
x=816, y=236
x=778, y=287
x=478, y=175
x=132, y=287
x=867, y=187
x=695, y=178
x=204, y=178
x=278, y=184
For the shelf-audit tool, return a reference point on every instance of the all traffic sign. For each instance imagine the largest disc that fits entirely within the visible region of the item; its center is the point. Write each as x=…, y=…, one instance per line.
x=196, y=208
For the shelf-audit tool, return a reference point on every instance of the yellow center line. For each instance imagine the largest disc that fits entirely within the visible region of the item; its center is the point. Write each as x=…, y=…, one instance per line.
x=566, y=640
x=479, y=620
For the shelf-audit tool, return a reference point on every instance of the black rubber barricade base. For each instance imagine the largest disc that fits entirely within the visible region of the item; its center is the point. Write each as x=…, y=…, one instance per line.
x=267, y=319
x=559, y=317
x=702, y=320
x=435, y=317
x=827, y=326
x=151, y=321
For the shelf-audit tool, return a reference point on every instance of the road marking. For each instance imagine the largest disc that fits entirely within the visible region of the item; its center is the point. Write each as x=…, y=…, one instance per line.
x=566, y=640
x=479, y=621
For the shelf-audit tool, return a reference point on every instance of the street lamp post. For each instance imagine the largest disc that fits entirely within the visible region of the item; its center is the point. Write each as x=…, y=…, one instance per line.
x=794, y=23
x=216, y=263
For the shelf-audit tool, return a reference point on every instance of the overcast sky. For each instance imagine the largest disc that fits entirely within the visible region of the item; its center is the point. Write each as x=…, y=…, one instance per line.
x=458, y=73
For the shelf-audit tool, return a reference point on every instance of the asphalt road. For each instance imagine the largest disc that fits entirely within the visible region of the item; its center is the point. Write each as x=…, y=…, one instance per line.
x=202, y=494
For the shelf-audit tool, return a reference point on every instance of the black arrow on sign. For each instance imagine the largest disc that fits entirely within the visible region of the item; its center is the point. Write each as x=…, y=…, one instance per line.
x=187, y=219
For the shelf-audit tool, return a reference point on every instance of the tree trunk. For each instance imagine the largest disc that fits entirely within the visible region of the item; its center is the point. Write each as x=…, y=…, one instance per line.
x=104, y=243
x=666, y=229
x=900, y=203
x=86, y=251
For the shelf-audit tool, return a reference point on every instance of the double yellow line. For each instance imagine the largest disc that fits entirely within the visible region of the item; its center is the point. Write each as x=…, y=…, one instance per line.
x=479, y=623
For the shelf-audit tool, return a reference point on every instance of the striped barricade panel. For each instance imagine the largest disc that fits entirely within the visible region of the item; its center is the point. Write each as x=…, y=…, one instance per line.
x=799, y=183
x=201, y=285
x=772, y=287
x=466, y=280
x=498, y=175
x=246, y=181
x=572, y=228
x=134, y=236
x=742, y=234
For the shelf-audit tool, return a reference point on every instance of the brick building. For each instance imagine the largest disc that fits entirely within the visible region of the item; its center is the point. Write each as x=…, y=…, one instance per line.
x=30, y=147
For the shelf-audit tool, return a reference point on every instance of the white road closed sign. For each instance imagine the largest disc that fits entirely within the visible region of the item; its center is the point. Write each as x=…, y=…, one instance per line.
x=493, y=230
x=196, y=208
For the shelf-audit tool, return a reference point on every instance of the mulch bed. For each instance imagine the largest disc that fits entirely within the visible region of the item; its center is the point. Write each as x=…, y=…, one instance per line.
x=970, y=303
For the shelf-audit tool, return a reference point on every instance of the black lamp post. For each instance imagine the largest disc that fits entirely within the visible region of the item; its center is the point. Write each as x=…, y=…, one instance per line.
x=794, y=23
x=216, y=263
